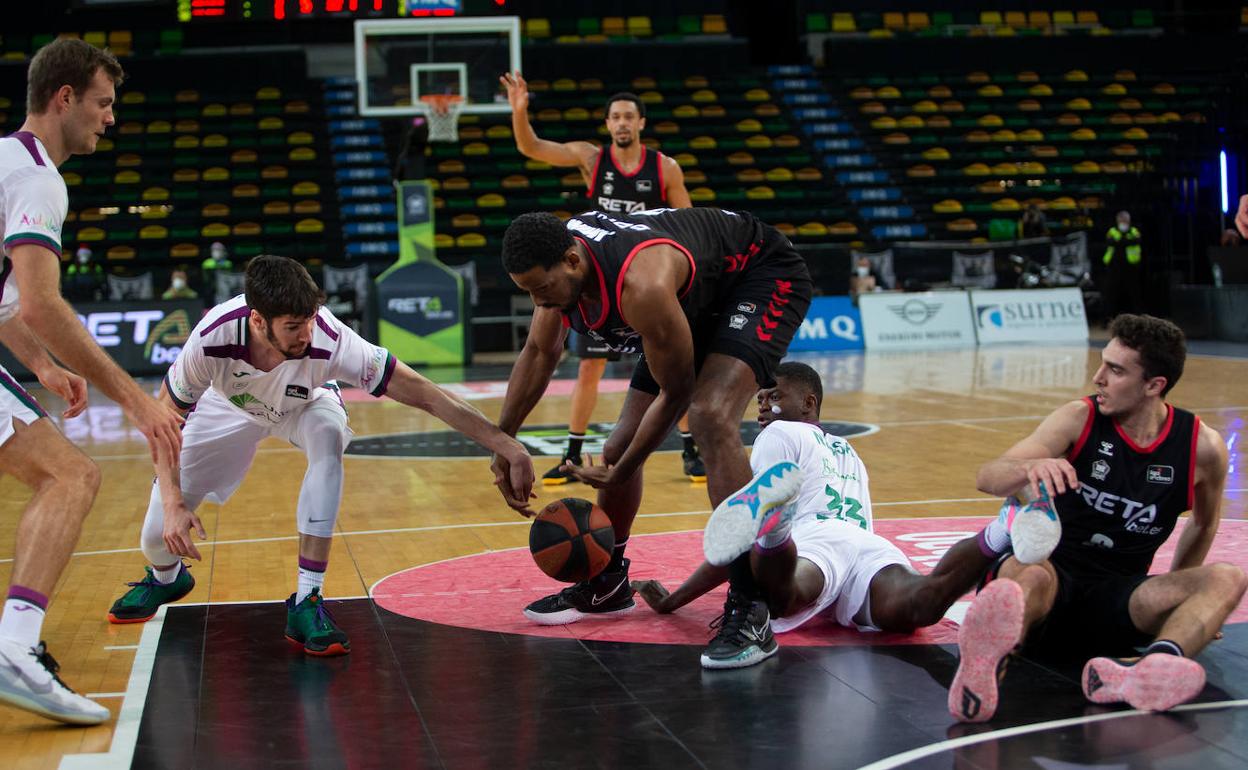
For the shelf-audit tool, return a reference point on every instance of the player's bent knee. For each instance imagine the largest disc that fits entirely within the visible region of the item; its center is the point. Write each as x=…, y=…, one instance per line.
x=612, y=451
x=1227, y=580
x=709, y=418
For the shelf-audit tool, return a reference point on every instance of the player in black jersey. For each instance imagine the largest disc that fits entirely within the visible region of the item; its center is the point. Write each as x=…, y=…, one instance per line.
x=1122, y=465
x=622, y=177
x=713, y=297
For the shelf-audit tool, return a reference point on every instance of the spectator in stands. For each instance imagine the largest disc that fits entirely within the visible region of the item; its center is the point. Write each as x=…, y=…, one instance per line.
x=178, y=288
x=863, y=279
x=218, y=259
x=84, y=279
x=1123, y=265
x=1033, y=223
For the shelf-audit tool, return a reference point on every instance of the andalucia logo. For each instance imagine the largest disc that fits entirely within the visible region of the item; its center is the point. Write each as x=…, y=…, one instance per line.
x=243, y=400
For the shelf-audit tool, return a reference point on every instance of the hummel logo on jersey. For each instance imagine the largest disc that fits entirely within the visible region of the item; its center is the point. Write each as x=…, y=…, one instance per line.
x=1106, y=449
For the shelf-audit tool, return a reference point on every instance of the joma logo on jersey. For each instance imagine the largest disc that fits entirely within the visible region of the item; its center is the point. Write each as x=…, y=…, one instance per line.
x=1138, y=517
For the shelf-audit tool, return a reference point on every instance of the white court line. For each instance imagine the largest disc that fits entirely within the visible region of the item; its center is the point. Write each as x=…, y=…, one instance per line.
x=520, y=523
x=121, y=646
x=126, y=730
x=98, y=695
x=961, y=424
x=897, y=760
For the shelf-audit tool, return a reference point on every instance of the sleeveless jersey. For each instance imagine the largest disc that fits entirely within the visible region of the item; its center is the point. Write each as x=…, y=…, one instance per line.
x=615, y=192
x=216, y=355
x=834, y=480
x=33, y=206
x=1129, y=496
x=722, y=247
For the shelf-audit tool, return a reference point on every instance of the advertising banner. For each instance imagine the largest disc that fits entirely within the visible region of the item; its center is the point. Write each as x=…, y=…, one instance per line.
x=832, y=323
x=1032, y=315
x=142, y=337
x=934, y=319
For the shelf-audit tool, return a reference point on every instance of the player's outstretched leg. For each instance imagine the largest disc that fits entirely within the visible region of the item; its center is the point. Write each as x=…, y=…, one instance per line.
x=1156, y=682
x=751, y=511
x=992, y=628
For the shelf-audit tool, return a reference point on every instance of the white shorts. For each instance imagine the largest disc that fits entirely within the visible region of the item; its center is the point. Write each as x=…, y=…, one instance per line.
x=849, y=557
x=219, y=442
x=15, y=402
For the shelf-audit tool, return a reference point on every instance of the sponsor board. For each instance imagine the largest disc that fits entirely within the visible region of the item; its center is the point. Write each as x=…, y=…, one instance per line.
x=895, y=321
x=832, y=323
x=1032, y=315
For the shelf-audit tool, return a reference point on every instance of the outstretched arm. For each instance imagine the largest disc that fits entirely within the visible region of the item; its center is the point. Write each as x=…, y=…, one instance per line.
x=705, y=578
x=1212, y=460
x=21, y=341
x=1038, y=458
x=577, y=154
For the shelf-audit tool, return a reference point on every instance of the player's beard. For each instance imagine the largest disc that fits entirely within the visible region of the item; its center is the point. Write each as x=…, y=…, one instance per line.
x=272, y=338
x=624, y=142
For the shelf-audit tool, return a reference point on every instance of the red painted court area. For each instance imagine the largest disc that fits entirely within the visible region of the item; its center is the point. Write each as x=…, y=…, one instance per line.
x=488, y=591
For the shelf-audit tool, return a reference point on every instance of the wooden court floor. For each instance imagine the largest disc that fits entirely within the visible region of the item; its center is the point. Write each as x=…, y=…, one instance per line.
x=939, y=416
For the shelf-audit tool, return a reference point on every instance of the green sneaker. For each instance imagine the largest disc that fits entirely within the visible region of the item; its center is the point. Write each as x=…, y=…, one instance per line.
x=145, y=597
x=309, y=625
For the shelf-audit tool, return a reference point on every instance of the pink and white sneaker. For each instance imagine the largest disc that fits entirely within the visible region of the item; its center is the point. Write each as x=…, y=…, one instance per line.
x=1156, y=682
x=992, y=628
x=1034, y=527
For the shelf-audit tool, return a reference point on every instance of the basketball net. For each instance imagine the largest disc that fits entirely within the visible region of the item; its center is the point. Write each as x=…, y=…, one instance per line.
x=442, y=112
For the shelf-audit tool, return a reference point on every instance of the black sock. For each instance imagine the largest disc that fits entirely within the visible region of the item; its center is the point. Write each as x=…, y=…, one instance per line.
x=1164, y=646
x=574, y=445
x=687, y=437
x=741, y=576
x=617, y=557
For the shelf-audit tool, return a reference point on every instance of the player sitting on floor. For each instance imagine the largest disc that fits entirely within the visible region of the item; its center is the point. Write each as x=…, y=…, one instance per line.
x=265, y=363
x=811, y=544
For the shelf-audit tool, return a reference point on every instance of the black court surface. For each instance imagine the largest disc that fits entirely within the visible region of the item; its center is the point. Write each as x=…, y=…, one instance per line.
x=219, y=687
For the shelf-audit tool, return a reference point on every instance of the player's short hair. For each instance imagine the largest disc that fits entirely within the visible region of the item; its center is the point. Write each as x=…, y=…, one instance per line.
x=626, y=96
x=277, y=286
x=804, y=377
x=537, y=239
x=66, y=61
x=1161, y=345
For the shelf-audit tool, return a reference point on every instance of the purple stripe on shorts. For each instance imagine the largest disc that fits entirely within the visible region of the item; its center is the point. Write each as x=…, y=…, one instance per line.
x=8, y=383
x=28, y=595
x=325, y=327
x=312, y=566
x=238, y=352
x=233, y=315
x=28, y=141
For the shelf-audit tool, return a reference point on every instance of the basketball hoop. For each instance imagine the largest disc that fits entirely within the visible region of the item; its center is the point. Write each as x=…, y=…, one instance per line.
x=442, y=112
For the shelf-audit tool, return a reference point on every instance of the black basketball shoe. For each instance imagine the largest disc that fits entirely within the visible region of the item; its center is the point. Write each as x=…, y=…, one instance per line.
x=555, y=476
x=695, y=469
x=744, y=635
x=607, y=595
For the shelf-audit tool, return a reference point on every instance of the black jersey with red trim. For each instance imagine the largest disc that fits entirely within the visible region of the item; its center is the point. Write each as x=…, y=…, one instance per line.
x=722, y=247
x=614, y=191
x=1129, y=497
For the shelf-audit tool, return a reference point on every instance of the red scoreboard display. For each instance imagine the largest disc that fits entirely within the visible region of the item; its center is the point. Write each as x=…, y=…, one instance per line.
x=285, y=10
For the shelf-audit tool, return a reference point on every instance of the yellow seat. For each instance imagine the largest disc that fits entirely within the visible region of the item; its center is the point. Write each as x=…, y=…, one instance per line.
x=885, y=123
x=155, y=194
x=639, y=26
x=215, y=141
x=491, y=201
x=921, y=171
x=862, y=92
x=186, y=126
x=897, y=137
x=843, y=22
x=1006, y=204
x=1004, y=135
x=1038, y=19
x=990, y=121
x=1125, y=75
x=812, y=229
x=537, y=28
x=470, y=241
x=443, y=241
x=306, y=226
x=1087, y=17
x=1031, y=135
x=1079, y=103
x=214, y=110
x=215, y=210
x=274, y=172
x=129, y=160
x=91, y=234
x=917, y=20
x=779, y=174
x=498, y=132
x=702, y=143
x=133, y=97
x=613, y=25
x=962, y=225
x=894, y=20
x=977, y=169
x=759, y=142
x=741, y=158
x=935, y=153
x=564, y=84
x=119, y=252
x=760, y=193
x=184, y=250
x=159, y=127
x=978, y=135
x=749, y=125
x=239, y=157
x=245, y=229
x=978, y=77
x=1029, y=105
x=910, y=121
x=307, y=207
x=990, y=18
x=947, y=206
x=925, y=105
x=888, y=92
x=1005, y=169
x=1083, y=134
x=277, y=209
x=153, y=232
x=476, y=149
x=990, y=90
x=952, y=105
x=1135, y=133
x=1069, y=119
x=940, y=92
x=1087, y=167
x=714, y=24
x=465, y=220
x=843, y=229
x=302, y=154
x=216, y=174
x=247, y=190
x=939, y=121
x=1063, y=17
x=515, y=182
x=1114, y=89
x=702, y=195
x=873, y=108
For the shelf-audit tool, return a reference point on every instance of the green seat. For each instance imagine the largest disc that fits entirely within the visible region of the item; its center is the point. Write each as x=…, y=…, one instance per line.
x=816, y=22
x=1142, y=17
x=587, y=26
x=689, y=25
x=171, y=40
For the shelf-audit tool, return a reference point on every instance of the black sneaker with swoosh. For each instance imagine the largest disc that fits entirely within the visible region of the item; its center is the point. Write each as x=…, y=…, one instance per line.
x=607, y=595
x=743, y=634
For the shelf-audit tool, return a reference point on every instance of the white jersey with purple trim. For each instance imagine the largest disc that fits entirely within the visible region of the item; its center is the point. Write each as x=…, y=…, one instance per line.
x=834, y=484
x=216, y=355
x=33, y=205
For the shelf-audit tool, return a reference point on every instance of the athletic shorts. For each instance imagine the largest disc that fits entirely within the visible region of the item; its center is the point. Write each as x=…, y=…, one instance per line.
x=849, y=557
x=582, y=346
x=745, y=326
x=15, y=402
x=219, y=442
x=1091, y=617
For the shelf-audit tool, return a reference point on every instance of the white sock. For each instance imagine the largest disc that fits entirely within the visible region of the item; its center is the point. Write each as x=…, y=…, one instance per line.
x=21, y=622
x=168, y=575
x=996, y=536
x=308, y=579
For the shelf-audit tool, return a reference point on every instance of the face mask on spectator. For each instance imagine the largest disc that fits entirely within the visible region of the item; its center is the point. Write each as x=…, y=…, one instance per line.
x=863, y=271
x=1123, y=226
x=178, y=283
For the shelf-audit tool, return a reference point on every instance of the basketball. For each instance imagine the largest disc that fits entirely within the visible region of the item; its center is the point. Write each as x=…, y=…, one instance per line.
x=571, y=540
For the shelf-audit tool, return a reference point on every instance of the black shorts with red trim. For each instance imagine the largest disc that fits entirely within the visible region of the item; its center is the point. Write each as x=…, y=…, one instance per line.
x=1091, y=616
x=757, y=321
x=582, y=346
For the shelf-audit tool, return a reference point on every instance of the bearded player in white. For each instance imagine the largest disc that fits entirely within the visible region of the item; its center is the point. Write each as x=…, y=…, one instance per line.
x=806, y=520
x=265, y=363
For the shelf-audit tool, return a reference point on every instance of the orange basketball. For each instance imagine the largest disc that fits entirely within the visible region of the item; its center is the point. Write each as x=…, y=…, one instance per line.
x=571, y=540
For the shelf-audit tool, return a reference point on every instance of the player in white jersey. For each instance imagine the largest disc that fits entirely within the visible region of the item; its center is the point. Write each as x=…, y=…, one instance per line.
x=266, y=363
x=818, y=554
x=69, y=104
